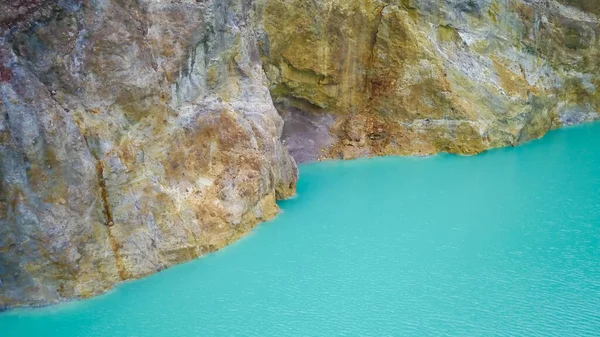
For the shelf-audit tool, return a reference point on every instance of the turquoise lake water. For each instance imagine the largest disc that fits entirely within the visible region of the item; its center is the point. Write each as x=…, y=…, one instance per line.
x=505, y=243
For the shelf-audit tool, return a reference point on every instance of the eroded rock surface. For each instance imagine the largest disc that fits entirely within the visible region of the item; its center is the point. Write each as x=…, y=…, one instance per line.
x=423, y=76
x=133, y=135
x=138, y=134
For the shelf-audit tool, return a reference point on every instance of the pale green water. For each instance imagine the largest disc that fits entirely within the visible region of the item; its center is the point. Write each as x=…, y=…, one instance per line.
x=505, y=243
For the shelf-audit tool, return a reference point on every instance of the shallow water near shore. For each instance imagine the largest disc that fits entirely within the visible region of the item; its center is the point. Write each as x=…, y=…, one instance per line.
x=503, y=243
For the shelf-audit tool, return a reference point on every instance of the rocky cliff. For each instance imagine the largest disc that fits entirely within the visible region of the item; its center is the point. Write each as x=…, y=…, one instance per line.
x=423, y=76
x=136, y=134
x=133, y=135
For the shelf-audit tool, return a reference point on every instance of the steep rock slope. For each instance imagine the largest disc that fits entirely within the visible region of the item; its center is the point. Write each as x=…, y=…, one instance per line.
x=133, y=135
x=422, y=76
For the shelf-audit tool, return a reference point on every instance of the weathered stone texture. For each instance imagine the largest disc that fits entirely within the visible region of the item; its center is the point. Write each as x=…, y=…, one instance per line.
x=133, y=135
x=426, y=76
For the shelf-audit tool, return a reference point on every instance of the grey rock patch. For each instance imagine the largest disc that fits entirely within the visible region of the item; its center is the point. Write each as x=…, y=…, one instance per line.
x=305, y=134
x=573, y=115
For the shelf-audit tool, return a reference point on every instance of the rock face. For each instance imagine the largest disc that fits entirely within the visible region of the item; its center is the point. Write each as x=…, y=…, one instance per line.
x=423, y=76
x=136, y=134
x=133, y=135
